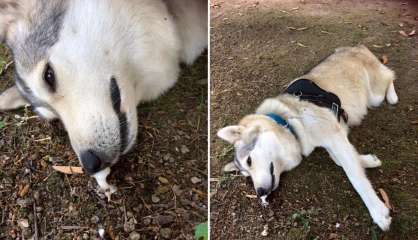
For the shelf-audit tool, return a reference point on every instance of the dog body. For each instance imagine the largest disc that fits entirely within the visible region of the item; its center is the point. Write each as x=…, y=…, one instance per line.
x=90, y=63
x=265, y=149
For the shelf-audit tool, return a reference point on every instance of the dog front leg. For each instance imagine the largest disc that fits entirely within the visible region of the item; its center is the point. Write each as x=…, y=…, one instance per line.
x=346, y=155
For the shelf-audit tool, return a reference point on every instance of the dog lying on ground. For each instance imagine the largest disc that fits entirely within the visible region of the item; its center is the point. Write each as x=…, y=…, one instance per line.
x=315, y=111
x=90, y=63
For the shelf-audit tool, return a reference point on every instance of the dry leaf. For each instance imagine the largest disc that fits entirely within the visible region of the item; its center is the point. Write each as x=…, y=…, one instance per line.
x=403, y=33
x=412, y=33
x=68, y=169
x=385, y=198
x=385, y=59
x=24, y=190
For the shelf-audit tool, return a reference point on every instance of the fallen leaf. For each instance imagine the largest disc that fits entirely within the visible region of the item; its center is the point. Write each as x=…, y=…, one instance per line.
x=385, y=198
x=412, y=33
x=24, y=190
x=68, y=169
x=403, y=33
x=385, y=59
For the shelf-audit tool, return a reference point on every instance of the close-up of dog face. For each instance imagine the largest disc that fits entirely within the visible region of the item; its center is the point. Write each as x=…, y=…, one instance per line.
x=262, y=151
x=64, y=72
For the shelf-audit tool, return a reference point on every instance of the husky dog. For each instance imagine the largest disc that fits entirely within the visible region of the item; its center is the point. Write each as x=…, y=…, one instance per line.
x=315, y=111
x=90, y=63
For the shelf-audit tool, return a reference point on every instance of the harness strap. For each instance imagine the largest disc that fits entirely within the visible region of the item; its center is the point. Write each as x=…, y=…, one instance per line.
x=307, y=90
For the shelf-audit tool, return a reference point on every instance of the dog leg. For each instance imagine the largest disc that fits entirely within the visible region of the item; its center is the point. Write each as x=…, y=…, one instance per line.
x=391, y=95
x=370, y=161
x=350, y=160
x=11, y=99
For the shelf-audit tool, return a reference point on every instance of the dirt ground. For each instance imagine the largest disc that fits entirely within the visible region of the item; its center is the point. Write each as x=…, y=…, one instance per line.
x=257, y=47
x=157, y=198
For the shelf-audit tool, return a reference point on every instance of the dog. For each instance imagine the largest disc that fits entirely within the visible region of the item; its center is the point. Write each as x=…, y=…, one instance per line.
x=315, y=111
x=90, y=63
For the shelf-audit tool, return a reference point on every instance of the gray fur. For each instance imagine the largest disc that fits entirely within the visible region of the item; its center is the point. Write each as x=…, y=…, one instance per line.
x=46, y=24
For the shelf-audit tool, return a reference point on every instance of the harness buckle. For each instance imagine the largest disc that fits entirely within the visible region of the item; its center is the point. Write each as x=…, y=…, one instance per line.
x=335, y=109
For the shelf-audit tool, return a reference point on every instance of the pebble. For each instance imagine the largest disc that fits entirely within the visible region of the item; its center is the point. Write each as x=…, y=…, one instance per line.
x=184, y=149
x=164, y=220
x=163, y=180
x=129, y=226
x=196, y=180
x=134, y=236
x=23, y=223
x=165, y=233
x=155, y=198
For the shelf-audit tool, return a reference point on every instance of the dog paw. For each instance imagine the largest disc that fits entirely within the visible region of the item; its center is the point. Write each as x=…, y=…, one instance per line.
x=370, y=161
x=391, y=95
x=381, y=217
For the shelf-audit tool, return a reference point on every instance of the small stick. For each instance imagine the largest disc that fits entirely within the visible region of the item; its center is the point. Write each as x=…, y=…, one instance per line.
x=35, y=222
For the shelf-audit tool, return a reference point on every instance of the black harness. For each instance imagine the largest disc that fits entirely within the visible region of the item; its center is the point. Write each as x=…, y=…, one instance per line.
x=307, y=90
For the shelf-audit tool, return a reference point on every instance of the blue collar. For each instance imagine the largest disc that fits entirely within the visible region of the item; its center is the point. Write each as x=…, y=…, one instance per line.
x=282, y=122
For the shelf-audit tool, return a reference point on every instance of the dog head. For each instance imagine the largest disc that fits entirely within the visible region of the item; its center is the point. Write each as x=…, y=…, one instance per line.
x=263, y=150
x=66, y=69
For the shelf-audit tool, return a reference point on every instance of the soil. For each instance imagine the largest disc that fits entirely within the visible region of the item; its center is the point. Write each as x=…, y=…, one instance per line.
x=157, y=198
x=257, y=48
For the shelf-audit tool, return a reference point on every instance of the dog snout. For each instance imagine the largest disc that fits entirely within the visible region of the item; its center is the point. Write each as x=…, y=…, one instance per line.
x=93, y=161
x=261, y=192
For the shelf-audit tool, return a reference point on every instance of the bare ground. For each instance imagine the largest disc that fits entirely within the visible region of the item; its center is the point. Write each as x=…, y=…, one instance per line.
x=257, y=47
x=172, y=144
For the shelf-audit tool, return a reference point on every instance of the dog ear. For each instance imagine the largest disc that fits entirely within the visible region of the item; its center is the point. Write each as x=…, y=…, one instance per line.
x=230, y=134
x=12, y=11
x=230, y=167
x=11, y=99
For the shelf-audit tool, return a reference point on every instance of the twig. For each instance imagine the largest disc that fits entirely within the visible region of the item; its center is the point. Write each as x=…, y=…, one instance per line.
x=4, y=69
x=72, y=227
x=35, y=222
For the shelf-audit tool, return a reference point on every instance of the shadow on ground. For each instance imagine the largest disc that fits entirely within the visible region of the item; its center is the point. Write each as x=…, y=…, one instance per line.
x=257, y=47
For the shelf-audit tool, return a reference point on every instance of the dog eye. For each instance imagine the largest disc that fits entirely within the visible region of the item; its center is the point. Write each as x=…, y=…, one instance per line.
x=49, y=77
x=249, y=161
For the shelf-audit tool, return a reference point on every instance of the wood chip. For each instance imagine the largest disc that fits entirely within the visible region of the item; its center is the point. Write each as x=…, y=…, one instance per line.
x=24, y=190
x=302, y=45
x=385, y=59
x=412, y=33
x=68, y=169
x=251, y=196
x=385, y=198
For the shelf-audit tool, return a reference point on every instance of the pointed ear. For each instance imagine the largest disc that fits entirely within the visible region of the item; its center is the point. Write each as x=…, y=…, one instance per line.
x=230, y=134
x=230, y=167
x=11, y=99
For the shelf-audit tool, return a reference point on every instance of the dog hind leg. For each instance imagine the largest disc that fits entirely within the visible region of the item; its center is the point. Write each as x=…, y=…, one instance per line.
x=351, y=162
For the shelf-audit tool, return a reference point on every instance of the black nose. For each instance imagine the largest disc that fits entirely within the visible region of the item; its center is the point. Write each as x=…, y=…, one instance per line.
x=92, y=162
x=261, y=192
